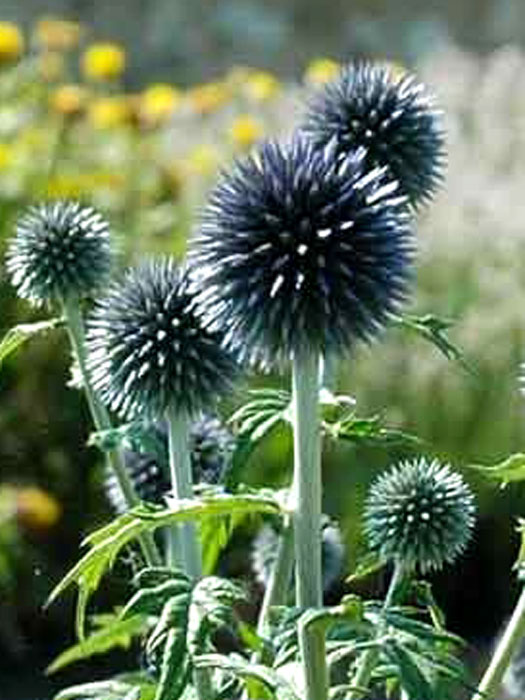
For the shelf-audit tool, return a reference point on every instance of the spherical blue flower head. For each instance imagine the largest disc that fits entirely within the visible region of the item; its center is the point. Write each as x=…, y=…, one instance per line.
x=393, y=117
x=150, y=348
x=419, y=514
x=60, y=250
x=298, y=248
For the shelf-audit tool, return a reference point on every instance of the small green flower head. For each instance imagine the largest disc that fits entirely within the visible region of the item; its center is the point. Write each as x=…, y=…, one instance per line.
x=61, y=250
x=392, y=116
x=150, y=349
x=419, y=514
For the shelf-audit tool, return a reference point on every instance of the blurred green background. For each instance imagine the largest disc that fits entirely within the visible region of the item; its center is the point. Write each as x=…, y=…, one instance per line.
x=140, y=129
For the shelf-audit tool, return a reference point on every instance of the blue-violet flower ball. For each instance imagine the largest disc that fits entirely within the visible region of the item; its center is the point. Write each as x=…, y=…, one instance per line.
x=392, y=116
x=60, y=250
x=150, y=348
x=297, y=249
x=419, y=514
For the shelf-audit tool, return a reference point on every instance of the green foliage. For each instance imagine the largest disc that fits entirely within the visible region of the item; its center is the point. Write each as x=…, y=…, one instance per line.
x=111, y=632
x=124, y=687
x=17, y=336
x=509, y=470
x=106, y=543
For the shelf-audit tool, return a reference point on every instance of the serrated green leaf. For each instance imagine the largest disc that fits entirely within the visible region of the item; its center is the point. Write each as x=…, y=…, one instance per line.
x=245, y=670
x=137, y=436
x=17, y=336
x=411, y=676
x=107, y=542
x=115, y=633
x=119, y=688
x=509, y=470
x=175, y=670
x=150, y=601
x=371, y=563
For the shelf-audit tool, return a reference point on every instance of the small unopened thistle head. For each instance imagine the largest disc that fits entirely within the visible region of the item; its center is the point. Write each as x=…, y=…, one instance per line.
x=298, y=248
x=150, y=349
x=211, y=445
x=392, y=116
x=419, y=514
x=265, y=545
x=61, y=250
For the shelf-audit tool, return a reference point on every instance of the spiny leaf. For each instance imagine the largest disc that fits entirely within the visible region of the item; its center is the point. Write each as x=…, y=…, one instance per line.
x=107, y=542
x=509, y=470
x=434, y=330
x=115, y=633
x=17, y=336
x=246, y=670
x=125, y=687
x=411, y=676
x=367, y=565
x=136, y=436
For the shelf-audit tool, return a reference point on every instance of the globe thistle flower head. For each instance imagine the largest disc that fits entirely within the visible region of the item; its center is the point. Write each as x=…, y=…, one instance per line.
x=298, y=248
x=392, y=116
x=265, y=545
x=211, y=446
x=60, y=250
x=419, y=514
x=150, y=348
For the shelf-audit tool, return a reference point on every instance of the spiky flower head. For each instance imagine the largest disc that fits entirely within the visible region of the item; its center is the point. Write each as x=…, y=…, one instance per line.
x=298, y=248
x=393, y=116
x=60, y=250
x=419, y=514
x=150, y=348
x=264, y=552
x=211, y=446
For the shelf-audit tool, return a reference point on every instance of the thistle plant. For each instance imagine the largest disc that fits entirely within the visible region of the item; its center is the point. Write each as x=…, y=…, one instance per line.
x=151, y=355
x=392, y=116
x=302, y=254
x=61, y=255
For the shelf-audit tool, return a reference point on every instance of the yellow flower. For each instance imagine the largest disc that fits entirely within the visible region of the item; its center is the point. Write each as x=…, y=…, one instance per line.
x=245, y=131
x=321, y=71
x=261, y=86
x=69, y=100
x=103, y=61
x=6, y=156
x=158, y=102
x=109, y=112
x=208, y=97
x=36, y=509
x=51, y=66
x=58, y=34
x=203, y=160
x=11, y=42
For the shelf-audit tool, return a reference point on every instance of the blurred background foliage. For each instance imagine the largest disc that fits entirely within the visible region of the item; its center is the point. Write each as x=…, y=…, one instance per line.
x=135, y=108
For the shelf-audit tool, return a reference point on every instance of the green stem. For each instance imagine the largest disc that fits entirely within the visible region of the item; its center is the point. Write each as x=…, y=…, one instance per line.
x=307, y=493
x=312, y=646
x=369, y=659
x=514, y=632
x=182, y=485
x=280, y=577
x=75, y=328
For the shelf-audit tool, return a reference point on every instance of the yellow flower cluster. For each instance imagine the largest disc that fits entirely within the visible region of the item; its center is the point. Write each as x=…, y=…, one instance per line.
x=104, y=61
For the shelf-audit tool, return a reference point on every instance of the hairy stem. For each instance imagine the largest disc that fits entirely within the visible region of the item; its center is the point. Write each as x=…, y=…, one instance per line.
x=488, y=687
x=307, y=494
x=369, y=659
x=75, y=329
x=182, y=486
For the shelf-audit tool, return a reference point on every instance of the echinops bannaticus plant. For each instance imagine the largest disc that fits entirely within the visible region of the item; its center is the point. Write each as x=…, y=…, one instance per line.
x=393, y=116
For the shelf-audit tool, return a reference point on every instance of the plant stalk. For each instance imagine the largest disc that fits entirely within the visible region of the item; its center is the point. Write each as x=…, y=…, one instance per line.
x=307, y=494
x=369, y=659
x=75, y=329
x=182, y=486
x=488, y=687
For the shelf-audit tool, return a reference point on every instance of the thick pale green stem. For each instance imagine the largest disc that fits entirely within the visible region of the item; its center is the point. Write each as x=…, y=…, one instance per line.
x=75, y=328
x=514, y=632
x=307, y=497
x=312, y=646
x=182, y=486
x=307, y=489
x=369, y=659
x=280, y=578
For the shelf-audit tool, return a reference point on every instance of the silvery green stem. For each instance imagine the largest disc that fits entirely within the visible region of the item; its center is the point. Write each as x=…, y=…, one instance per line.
x=489, y=685
x=313, y=653
x=280, y=577
x=182, y=485
x=307, y=494
x=75, y=329
x=369, y=659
